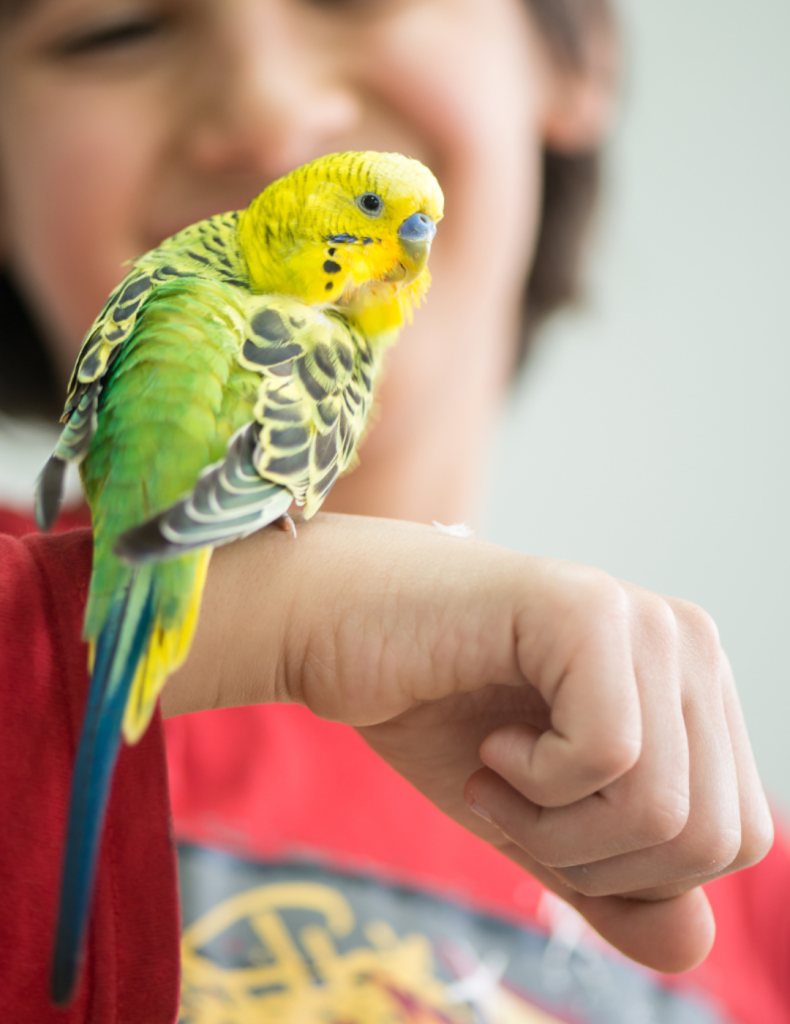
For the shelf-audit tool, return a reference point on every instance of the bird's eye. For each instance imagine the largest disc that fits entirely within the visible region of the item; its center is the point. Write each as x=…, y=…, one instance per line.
x=370, y=203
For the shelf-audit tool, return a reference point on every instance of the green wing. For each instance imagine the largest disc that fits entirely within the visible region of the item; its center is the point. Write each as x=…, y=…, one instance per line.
x=204, y=251
x=314, y=377
x=170, y=401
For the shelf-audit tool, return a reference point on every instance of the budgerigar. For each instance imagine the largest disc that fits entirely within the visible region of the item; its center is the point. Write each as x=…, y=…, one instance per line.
x=228, y=375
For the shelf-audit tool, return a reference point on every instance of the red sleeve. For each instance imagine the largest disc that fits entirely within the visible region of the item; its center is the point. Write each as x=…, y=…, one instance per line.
x=131, y=970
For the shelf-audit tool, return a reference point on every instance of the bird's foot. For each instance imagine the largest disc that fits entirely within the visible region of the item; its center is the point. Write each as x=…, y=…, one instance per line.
x=286, y=524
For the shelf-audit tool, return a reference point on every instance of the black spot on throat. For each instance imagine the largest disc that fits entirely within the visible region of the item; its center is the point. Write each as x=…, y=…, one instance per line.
x=331, y=267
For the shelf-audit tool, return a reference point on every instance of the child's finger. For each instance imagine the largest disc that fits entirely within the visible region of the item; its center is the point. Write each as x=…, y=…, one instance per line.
x=756, y=826
x=672, y=820
x=646, y=806
x=668, y=935
x=578, y=656
x=729, y=824
x=757, y=830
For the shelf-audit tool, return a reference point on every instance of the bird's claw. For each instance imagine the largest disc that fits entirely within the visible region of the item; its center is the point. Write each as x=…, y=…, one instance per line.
x=287, y=524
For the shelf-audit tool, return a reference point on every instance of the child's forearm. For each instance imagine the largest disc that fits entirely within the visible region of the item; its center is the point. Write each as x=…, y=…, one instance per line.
x=610, y=711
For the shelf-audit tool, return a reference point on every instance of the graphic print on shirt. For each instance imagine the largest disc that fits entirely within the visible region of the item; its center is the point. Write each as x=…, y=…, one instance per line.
x=292, y=942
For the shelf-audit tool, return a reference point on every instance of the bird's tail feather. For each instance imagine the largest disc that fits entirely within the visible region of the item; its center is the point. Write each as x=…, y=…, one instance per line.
x=118, y=650
x=165, y=652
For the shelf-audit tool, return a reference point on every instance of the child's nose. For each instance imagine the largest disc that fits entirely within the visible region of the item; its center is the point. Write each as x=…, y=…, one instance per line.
x=267, y=98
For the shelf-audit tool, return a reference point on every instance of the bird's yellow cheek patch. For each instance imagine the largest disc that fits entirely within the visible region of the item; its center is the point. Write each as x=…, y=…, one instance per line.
x=348, y=265
x=377, y=261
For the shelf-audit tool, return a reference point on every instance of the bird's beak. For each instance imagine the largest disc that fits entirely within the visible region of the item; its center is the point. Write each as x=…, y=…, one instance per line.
x=415, y=236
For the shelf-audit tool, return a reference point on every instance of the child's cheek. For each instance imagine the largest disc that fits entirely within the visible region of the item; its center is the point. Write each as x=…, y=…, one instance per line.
x=77, y=162
x=466, y=80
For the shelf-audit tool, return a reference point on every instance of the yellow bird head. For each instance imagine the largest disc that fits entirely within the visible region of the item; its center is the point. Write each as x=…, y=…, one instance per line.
x=351, y=229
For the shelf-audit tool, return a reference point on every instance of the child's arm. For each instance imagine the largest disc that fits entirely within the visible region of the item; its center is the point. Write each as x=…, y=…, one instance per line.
x=630, y=740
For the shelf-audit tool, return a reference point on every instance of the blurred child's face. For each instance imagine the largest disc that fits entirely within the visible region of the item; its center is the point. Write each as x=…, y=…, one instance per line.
x=121, y=121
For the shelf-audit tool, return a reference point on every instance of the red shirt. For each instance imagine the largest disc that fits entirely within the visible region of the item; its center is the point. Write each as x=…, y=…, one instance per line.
x=276, y=783
x=131, y=969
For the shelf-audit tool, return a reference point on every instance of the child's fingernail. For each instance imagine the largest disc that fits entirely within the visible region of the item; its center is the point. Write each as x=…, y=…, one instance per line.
x=479, y=809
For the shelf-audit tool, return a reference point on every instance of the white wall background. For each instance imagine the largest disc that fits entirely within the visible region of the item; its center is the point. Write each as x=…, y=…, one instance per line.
x=651, y=434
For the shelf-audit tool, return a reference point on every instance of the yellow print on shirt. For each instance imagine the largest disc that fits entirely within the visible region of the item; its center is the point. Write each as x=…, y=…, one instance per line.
x=294, y=973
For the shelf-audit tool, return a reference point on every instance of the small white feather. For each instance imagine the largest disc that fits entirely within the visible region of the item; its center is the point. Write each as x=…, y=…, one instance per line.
x=455, y=529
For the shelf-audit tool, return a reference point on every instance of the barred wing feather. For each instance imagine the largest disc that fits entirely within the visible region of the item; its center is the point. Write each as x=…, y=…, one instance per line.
x=230, y=500
x=315, y=394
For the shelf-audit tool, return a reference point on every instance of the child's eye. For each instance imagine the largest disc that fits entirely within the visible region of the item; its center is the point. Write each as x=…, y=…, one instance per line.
x=359, y=6
x=113, y=36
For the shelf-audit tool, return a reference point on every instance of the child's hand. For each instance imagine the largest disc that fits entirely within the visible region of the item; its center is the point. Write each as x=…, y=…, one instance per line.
x=610, y=711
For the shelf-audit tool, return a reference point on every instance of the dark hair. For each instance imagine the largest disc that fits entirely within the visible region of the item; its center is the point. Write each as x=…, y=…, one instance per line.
x=571, y=182
x=28, y=385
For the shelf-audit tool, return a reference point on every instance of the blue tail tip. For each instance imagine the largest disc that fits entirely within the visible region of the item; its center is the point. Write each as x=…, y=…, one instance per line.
x=63, y=981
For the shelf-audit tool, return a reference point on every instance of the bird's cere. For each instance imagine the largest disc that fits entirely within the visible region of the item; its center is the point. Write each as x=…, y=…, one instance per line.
x=417, y=228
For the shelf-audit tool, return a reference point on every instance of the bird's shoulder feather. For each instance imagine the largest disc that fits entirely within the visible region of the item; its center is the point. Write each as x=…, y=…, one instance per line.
x=317, y=374
x=207, y=250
